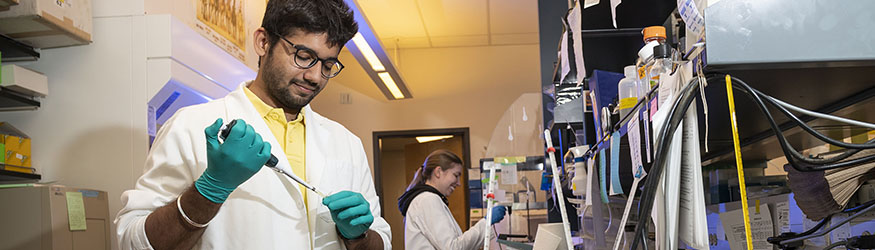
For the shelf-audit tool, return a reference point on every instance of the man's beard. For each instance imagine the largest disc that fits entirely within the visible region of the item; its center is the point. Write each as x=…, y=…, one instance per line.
x=280, y=91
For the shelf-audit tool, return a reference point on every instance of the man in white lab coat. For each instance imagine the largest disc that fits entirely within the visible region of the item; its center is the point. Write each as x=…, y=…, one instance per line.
x=202, y=192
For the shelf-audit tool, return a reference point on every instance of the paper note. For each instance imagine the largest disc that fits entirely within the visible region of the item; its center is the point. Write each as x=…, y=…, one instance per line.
x=76, y=211
x=590, y=162
x=693, y=221
x=508, y=174
x=602, y=178
x=842, y=232
x=616, y=187
x=816, y=241
x=575, y=21
x=672, y=188
x=691, y=16
x=647, y=133
x=614, y=4
x=783, y=219
x=500, y=195
x=761, y=228
x=563, y=55
x=634, y=136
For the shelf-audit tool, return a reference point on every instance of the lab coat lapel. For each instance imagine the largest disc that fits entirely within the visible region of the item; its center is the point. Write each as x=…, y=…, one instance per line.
x=238, y=104
x=317, y=137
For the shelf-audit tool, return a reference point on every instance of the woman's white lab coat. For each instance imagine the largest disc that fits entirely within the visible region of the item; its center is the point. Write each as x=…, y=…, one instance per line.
x=265, y=212
x=430, y=225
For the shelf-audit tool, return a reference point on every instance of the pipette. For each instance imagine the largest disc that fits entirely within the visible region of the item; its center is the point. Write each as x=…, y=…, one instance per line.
x=299, y=181
x=271, y=163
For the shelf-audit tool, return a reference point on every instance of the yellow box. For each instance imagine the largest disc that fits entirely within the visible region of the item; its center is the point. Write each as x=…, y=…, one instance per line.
x=17, y=144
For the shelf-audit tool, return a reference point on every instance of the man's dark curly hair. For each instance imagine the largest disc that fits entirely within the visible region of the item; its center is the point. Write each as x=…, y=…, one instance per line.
x=332, y=17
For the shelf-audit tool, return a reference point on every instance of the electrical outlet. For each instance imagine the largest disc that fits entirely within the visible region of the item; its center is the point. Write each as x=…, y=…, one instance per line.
x=345, y=98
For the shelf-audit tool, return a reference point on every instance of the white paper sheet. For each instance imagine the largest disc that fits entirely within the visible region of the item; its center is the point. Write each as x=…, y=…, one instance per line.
x=693, y=221
x=659, y=213
x=563, y=55
x=783, y=220
x=692, y=17
x=634, y=136
x=575, y=21
x=508, y=174
x=614, y=4
x=761, y=228
x=589, y=173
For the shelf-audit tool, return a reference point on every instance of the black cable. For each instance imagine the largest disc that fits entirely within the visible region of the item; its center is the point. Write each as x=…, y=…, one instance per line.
x=673, y=120
x=810, y=130
x=796, y=159
x=837, y=244
x=853, y=148
x=496, y=236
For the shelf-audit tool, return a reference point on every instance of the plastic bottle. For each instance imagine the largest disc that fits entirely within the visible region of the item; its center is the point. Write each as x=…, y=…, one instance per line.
x=653, y=36
x=661, y=63
x=628, y=90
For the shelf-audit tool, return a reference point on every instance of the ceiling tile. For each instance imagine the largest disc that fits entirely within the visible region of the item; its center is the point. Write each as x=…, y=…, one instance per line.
x=458, y=41
x=513, y=16
x=405, y=42
x=454, y=17
x=393, y=18
x=508, y=39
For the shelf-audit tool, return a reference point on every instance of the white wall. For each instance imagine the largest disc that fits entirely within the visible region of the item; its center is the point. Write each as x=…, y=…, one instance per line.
x=452, y=87
x=90, y=131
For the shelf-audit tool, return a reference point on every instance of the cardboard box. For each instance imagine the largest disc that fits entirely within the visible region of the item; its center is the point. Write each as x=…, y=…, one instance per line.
x=48, y=23
x=24, y=80
x=17, y=146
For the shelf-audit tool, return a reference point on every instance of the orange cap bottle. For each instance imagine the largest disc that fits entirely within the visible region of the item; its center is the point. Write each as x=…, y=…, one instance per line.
x=653, y=33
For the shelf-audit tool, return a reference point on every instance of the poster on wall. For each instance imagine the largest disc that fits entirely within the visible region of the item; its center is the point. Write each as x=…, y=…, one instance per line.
x=222, y=21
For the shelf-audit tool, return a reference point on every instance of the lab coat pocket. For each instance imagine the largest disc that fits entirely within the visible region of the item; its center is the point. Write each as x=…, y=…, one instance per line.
x=325, y=217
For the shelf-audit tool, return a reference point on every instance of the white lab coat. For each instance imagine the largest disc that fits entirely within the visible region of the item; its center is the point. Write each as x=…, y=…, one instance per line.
x=266, y=211
x=430, y=225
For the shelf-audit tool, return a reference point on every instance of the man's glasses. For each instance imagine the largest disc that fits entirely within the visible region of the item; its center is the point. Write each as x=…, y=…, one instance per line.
x=306, y=58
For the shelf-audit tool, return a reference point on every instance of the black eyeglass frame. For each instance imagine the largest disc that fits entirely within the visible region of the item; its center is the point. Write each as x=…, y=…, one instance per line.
x=298, y=48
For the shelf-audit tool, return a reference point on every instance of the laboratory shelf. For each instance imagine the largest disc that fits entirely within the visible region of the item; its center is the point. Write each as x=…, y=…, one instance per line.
x=14, y=101
x=843, y=91
x=7, y=176
x=16, y=51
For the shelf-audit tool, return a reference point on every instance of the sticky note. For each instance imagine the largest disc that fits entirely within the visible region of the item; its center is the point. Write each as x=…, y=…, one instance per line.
x=602, y=177
x=76, y=211
x=616, y=187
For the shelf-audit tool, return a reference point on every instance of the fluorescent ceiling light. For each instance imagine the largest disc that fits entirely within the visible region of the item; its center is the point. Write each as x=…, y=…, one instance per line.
x=366, y=50
x=424, y=139
x=390, y=84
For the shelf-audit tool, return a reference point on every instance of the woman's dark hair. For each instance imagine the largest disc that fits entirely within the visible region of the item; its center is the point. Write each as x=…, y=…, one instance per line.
x=332, y=17
x=439, y=158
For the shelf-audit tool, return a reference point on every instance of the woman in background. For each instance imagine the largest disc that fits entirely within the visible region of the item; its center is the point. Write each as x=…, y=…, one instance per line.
x=428, y=223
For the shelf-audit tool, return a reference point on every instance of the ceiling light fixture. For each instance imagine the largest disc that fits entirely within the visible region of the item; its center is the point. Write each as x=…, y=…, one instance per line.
x=365, y=47
x=424, y=139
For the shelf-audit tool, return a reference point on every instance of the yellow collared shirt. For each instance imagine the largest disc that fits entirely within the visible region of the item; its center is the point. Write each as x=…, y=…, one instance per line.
x=290, y=135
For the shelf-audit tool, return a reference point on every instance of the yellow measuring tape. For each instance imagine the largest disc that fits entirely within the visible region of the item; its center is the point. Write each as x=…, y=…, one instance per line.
x=738, y=165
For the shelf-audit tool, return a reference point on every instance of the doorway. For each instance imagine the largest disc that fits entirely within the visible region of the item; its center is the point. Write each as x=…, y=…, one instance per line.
x=397, y=156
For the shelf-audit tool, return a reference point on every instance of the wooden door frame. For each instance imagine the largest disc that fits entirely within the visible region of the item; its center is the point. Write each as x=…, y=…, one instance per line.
x=466, y=156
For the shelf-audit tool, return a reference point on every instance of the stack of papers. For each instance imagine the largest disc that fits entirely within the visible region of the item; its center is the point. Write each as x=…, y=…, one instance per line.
x=822, y=193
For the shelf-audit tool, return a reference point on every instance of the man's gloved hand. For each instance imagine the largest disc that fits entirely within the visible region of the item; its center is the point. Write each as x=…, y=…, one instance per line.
x=498, y=214
x=351, y=212
x=231, y=163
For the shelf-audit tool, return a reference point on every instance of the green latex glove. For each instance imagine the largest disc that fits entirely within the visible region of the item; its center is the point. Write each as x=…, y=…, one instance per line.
x=351, y=212
x=231, y=163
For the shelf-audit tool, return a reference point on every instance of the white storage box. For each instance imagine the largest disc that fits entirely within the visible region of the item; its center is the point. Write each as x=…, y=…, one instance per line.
x=23, y=80
x=48, y=23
